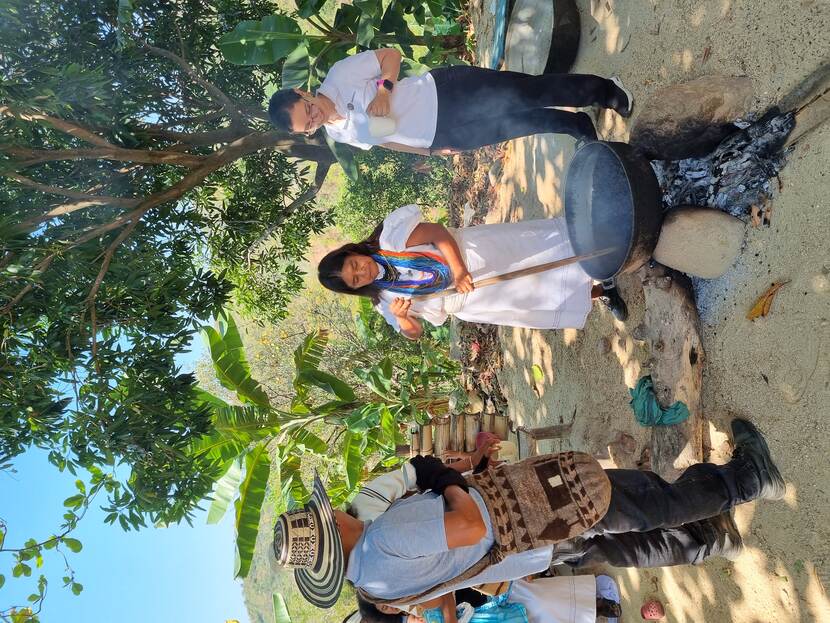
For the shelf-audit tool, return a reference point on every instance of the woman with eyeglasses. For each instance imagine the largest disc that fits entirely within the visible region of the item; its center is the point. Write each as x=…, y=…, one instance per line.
x=445, y=110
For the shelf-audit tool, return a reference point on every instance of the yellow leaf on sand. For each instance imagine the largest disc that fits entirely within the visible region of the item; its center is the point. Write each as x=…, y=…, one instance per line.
x=764, y=302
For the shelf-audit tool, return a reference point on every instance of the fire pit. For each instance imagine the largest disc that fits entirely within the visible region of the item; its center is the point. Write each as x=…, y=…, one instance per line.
x=612, y=201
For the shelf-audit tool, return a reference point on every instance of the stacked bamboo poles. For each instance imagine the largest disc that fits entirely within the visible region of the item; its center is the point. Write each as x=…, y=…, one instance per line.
x=456, y=432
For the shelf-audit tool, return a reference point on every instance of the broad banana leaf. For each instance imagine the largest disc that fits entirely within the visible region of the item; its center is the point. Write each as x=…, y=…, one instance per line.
x=353, y=459
x=364, y=418
x=296, y=69
x=345, y=156
x=281, y=614
x=224, y=491
x=309, y=354
x=249, y=505
x=310, y=441
x=262, y=42
x=327, y=382
x=231, y=365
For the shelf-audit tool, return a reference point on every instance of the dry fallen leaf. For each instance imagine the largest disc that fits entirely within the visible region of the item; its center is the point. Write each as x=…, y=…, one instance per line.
x=538, y=379
x=756, y=216
x=706, y=53
x=764, y=302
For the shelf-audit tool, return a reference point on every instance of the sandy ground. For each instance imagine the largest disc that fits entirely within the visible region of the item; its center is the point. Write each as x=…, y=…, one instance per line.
x=775, y=371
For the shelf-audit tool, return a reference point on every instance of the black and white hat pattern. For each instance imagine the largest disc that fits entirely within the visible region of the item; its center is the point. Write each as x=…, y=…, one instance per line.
x=307, y=541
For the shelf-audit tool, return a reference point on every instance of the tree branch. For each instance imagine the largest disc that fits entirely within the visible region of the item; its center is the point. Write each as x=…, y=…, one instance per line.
x=71, y=194
x=215, y=92
x=243, y=146
x=69, y=208
x=31, y=157
x=308, y=195
x=105, y=264
x=198, y=139
x=210, y=116
x=68, y=127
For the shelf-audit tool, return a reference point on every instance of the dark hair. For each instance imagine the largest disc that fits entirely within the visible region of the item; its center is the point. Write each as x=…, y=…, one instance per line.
x=370, y=613
x=331, y=266
x=279, y=107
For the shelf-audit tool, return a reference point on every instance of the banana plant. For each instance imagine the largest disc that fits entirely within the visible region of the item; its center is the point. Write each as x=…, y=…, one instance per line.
x=308, y=53
x=242, y=433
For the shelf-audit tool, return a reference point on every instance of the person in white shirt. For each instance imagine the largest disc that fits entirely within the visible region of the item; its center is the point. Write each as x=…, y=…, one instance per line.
x=445, y=110
x=406, y=258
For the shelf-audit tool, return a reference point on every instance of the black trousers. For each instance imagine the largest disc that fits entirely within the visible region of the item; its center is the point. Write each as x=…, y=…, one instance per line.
x=689, y=544
x=478, y=106
x=642, y=501
x=654, y=523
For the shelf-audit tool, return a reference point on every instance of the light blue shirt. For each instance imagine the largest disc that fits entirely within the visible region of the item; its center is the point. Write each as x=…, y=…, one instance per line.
x=404, y=552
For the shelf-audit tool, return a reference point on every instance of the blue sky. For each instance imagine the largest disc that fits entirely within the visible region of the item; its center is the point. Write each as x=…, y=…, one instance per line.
x=179, y=574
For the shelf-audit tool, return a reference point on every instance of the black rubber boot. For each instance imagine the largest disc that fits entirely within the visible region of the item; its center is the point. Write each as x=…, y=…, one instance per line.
x=729, y=543
x=611, y=298
x=751, y=446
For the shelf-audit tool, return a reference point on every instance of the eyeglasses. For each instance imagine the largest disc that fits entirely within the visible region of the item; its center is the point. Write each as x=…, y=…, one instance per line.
x=309, y=124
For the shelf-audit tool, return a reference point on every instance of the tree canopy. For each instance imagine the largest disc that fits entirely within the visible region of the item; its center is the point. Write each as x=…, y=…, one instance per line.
x=140, y=188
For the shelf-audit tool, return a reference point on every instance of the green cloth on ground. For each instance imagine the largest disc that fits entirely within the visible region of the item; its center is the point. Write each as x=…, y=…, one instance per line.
x=649, y=412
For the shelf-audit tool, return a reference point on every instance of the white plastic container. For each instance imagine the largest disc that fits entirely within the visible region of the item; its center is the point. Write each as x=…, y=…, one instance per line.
x=381, y=126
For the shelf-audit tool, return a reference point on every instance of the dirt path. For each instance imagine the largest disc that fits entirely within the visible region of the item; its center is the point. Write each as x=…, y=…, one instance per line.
x=775, y=370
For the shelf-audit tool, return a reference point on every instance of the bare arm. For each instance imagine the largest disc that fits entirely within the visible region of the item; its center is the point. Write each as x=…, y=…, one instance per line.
x=389, y=60
x=463, y=523
x=421, y=151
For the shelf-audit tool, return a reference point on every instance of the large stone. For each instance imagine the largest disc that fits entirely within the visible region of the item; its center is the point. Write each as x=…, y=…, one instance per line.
x=689, y=120
x=699, y=241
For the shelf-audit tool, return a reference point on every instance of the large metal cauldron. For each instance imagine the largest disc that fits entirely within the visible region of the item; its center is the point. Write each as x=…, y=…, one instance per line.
x=612, y=201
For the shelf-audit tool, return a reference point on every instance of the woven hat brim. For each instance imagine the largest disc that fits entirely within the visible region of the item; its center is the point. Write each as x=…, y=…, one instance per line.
x=322, y=584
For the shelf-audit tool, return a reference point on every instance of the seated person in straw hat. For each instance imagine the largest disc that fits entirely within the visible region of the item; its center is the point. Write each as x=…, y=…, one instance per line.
x=361, y=102
x=510, y=521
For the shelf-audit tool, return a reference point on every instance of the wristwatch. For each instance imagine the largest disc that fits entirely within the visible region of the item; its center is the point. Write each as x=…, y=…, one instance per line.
x=386, y=84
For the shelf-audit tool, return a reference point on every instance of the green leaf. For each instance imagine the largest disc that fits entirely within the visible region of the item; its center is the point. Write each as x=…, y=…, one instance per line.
x=262, y=42
x=369, y=15
x=73, y=544
x=345, y=156
x=281, y=614
x=74, y=502
x=2, y=580
x=249, y=505
x=307, y=8
x=296, y=69
x=309, y=354
x=389, y=426
x=77, y=588
x=310, y=441
x=224, y=491
x=231, y=365
x=376, y=379
x=328, y=383
x=362, y=419
x=353, y=458
x=538, y=375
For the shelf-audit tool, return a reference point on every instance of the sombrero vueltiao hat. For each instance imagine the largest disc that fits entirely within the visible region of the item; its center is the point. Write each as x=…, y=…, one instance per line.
x=307, y=541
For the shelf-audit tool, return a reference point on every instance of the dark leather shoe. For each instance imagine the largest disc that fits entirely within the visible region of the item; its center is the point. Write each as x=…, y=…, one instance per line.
x=751, y=446
x=611, y=298
x=730, y=544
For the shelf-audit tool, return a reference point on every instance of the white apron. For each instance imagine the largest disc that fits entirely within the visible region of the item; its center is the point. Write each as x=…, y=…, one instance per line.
x=553, y=299
x=564, y=599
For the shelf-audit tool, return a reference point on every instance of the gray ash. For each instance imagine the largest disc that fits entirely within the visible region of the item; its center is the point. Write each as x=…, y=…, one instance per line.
x=736, y=175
